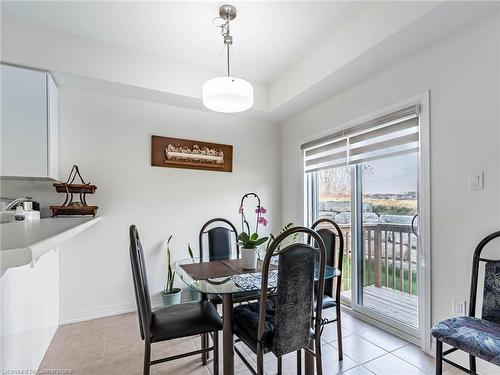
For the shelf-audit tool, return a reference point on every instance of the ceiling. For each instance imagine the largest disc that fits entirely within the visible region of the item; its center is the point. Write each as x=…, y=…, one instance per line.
x=269, y=37
x=296, y=54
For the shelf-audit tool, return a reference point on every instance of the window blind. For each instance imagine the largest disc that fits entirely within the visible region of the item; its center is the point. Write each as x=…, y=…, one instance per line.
x=390, y=135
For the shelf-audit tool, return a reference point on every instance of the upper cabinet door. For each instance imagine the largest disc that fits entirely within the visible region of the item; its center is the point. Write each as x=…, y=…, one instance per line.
x=25, y=123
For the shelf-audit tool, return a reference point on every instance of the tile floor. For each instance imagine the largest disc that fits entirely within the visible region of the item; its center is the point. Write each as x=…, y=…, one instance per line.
x=113, y=346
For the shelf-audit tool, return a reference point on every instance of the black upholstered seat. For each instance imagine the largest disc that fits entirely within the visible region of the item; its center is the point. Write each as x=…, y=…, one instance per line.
x=185, y=319
x=328, y=302
x=246, y=324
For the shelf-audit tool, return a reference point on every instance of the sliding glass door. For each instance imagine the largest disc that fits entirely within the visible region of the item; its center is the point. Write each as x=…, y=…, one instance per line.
x=387, y=251
x=367, y=180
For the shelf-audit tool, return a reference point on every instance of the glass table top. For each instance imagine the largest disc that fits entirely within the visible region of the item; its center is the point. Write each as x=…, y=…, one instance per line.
x=221, y=276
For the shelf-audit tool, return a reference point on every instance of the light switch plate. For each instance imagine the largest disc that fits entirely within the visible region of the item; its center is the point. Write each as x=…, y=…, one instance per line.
x=459, y=307
x=476, y=180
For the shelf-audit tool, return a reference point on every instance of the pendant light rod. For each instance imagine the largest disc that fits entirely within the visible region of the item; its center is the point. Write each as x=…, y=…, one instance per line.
x=228, y=13
x=228, y=72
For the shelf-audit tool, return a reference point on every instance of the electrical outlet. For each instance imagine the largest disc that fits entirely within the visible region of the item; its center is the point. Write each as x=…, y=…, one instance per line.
x=476, y=180
x=458, y=308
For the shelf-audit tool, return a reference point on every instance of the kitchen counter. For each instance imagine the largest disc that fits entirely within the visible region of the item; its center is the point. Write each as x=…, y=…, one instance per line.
x=23, y=242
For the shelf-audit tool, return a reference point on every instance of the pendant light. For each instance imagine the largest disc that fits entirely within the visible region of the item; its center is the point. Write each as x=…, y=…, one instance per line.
x=227, y=94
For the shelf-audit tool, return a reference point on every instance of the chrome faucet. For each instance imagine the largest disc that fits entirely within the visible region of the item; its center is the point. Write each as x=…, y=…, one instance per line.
x=15, y=202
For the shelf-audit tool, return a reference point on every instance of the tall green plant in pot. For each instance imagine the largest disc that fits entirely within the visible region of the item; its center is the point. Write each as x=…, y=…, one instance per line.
x=170, y=295
x=248, y=240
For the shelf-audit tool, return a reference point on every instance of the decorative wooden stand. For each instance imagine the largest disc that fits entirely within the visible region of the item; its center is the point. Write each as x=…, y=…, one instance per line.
x=74, y=208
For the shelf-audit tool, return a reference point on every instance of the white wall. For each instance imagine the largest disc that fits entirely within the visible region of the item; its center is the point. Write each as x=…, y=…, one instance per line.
x=109, y=138
x=463, y=76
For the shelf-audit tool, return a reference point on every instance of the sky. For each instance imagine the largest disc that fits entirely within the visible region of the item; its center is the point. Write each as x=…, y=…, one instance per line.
x=391, y=175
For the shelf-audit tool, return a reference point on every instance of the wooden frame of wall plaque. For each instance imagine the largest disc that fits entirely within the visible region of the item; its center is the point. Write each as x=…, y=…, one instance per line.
x=185, y=153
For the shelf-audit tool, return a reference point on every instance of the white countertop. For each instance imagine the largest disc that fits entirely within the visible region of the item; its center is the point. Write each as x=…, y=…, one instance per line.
x=23, y=242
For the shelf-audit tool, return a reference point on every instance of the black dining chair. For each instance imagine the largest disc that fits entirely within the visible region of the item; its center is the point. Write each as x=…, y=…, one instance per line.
x=478, y=337
x=220, y=247
x=170, y=322
x=222, y=235
x=289, y=320
x=331, y=233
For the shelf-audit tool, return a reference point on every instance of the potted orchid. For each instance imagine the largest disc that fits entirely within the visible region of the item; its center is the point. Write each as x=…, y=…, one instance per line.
x=170, y=295
x=250, y=240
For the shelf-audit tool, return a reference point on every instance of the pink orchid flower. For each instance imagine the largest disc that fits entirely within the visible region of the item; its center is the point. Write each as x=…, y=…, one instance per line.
x=260, y=210
x=263, y=221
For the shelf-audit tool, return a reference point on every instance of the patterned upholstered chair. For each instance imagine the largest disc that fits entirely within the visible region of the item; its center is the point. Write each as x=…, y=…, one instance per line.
x=479, y=337
x=331, y=234
x=290, y=319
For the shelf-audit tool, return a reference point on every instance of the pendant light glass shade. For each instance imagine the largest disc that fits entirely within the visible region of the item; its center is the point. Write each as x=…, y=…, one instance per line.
x=227, y=94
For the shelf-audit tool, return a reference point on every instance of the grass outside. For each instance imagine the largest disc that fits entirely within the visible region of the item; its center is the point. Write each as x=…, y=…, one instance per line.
x=380, y=206
x=392, y=206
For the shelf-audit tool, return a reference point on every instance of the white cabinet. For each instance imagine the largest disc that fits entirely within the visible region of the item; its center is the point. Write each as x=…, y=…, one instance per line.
x=29, y=300
x=29, y=131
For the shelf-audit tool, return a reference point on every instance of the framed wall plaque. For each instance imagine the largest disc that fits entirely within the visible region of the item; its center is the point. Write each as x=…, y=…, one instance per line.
x=185, y=153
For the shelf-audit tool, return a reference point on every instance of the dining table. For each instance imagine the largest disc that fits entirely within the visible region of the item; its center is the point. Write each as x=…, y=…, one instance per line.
x=227, y=277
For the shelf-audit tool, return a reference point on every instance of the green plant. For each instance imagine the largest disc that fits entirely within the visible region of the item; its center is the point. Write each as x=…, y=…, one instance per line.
x=190, y=252
x=251, y=241
x=284, y=229
x=169, y=284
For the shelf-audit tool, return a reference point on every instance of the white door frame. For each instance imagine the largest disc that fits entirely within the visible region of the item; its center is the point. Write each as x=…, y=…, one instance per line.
x=423, y=337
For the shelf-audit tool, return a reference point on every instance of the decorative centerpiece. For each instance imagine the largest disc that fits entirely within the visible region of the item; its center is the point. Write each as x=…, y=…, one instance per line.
x=248, y=240
x=70, y=207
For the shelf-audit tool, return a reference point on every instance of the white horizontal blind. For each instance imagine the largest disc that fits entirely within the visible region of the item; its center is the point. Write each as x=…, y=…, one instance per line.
x=389, y=135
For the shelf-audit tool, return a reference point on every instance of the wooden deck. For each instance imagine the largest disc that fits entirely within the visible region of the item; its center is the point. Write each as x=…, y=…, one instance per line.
x=391, y=303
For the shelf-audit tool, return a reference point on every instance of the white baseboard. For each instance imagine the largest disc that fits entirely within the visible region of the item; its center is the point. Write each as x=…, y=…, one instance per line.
x=103, y=311
x=110, y=310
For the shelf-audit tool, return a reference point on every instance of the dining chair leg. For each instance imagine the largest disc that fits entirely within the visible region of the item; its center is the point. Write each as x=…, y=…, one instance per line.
x=299, y=362
x=204, y=345
x=439, y=357
x=472, y=363
x=216, y=352
x=147, y=357
x=339, y=334
x=260, y=360
x=317, y=351
x=208, y=345
x=280, y=365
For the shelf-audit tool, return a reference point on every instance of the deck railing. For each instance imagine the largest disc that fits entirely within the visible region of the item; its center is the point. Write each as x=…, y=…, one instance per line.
x=389, y=257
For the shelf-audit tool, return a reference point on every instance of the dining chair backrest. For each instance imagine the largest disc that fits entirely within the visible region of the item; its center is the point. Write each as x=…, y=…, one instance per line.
x=491, y=291
x=331, y=234
x=140, y=278
x=220, y=242
x=294, y=291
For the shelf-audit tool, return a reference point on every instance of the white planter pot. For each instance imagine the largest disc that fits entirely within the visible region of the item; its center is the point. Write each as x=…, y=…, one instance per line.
x=249, y=258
